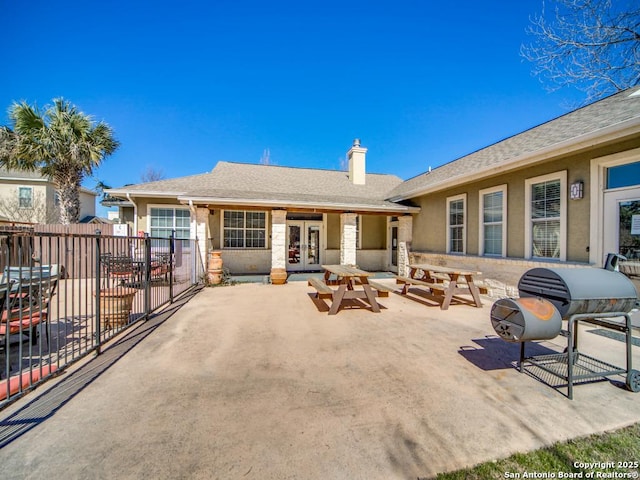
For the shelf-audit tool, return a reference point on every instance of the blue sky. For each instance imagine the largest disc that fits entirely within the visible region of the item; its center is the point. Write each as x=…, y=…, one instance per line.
x=187, y=84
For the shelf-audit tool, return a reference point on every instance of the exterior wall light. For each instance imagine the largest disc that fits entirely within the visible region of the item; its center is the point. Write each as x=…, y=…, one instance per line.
x=577, y=191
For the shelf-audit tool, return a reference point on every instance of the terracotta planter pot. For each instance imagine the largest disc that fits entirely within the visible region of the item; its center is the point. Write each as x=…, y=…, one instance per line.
x=115, y=306
x=214, y=271
x=278, y=276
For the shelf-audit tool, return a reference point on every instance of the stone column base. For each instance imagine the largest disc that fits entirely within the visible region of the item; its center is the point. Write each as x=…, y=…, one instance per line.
x=278, y=276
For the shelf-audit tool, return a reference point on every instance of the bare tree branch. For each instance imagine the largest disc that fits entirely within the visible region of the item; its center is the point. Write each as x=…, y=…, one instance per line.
x=593, y=45
x=151, y=175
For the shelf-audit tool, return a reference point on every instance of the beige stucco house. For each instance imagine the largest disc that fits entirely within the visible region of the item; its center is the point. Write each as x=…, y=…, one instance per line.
x=29, y=197
x=565, y=191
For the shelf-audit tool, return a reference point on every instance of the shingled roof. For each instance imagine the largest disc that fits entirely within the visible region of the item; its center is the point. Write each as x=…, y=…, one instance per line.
x=594, y=122
x=272, y=185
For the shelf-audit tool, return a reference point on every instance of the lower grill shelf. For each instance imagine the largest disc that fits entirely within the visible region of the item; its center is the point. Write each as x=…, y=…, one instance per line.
x=585, y=367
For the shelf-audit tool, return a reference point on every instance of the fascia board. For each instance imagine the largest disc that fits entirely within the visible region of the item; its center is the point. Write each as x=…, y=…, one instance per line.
x=613, y=132
x=108, y=203
x=137, y=193
x=24, y=179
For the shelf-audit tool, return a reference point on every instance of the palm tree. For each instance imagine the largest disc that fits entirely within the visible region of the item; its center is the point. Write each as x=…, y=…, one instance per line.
x=61, y=143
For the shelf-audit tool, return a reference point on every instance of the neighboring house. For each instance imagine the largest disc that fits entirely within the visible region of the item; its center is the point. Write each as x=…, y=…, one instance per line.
x=29, y=197
x=93, y=220
x=565, y=191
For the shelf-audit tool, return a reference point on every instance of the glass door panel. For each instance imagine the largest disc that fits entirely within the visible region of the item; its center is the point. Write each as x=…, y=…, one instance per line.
x=629, y=229
x=394, y=246
x=313, y=246
x=293, y=245
x=622, y=223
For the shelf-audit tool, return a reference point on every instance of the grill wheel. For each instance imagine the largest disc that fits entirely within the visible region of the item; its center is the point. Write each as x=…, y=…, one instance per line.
x=633, y=381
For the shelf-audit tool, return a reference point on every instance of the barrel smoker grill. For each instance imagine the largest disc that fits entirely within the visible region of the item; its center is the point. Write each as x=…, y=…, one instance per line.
x=550, y=295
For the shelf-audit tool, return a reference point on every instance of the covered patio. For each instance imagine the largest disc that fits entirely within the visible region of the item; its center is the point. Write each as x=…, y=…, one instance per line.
x=257, y=381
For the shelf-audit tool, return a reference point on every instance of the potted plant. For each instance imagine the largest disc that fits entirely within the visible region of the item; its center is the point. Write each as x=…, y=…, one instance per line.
x=115, y=306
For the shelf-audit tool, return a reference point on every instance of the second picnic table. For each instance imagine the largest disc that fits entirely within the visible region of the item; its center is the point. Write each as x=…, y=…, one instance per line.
x=346, y=278
x=431, y=276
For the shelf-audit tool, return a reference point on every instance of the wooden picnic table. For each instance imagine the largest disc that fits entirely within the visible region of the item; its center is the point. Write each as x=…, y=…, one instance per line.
x=443, y=281
x=351, y=282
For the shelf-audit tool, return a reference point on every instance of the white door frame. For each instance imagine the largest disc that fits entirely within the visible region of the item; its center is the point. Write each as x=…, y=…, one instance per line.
x=305, y=225
x=612, y=200
x=598, y=180
x=391, y=225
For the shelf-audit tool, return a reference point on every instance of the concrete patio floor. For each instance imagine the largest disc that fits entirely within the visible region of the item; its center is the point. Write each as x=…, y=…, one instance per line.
x=257, y=382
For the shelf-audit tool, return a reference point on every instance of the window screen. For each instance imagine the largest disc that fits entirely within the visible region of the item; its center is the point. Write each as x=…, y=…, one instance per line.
x=492, y=221
x=456, y=226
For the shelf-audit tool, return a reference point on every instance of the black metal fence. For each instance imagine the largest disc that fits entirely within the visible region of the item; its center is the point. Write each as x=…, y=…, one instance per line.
x=63, y=295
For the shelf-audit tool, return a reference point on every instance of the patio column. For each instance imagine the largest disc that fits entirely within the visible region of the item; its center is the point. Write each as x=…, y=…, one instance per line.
x=405, y=235
x=202, y=233
x=348, y=236
x=278, y=247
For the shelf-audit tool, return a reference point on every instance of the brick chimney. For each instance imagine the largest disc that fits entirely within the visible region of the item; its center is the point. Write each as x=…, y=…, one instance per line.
x=357, y=170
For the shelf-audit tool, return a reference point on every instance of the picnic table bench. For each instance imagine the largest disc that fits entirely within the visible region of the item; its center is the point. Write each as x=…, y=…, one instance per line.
x=444, y=282
x=323, y=290
x=406, y=282
x=381, y=289
x=351, y=283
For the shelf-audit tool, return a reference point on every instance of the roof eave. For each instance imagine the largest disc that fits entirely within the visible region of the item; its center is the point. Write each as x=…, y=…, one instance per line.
x=110, y=203
x=24, y=179
x=246, y=202
x=137, y=193
x=613, y=132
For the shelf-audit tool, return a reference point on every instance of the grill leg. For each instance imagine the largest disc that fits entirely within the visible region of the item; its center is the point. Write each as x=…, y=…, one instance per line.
x=521, y=357
x=571, y=355
x=629, y=342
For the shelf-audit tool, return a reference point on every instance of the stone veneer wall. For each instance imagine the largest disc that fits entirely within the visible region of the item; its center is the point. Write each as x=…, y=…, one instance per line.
x=499, y=275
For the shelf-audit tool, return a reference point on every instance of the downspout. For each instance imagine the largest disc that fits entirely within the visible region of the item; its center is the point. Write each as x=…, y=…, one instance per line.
x=135, y=215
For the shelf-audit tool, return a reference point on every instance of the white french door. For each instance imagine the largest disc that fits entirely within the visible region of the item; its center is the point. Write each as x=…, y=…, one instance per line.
x=304, y=245
x=622, y=222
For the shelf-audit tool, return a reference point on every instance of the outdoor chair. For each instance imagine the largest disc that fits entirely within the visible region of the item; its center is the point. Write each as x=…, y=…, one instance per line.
x=22, y=315
x=161, y=267
x=29, y=296
x=119, y=269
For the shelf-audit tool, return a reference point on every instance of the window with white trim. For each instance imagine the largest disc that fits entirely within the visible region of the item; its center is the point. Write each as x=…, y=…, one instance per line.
x=456, y=224
x=545, y=207
x=493, y=221
x=244, y=229
x=25, y=197
x=164, y=220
